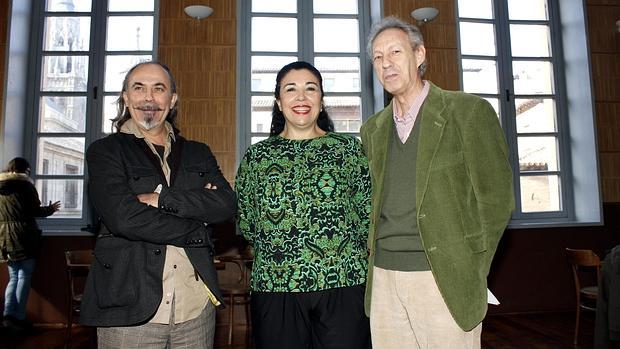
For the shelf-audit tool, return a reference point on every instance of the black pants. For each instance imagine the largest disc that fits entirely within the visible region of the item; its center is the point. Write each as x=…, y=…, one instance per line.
x=330, y=319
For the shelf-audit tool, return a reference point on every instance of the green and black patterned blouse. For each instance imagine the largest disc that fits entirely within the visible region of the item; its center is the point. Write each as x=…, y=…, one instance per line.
x=304, y=206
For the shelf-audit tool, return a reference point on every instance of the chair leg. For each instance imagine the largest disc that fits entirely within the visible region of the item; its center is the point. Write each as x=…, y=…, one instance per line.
x=576, y=339
x=247, y=321
x=69, y=327
x=231, y=318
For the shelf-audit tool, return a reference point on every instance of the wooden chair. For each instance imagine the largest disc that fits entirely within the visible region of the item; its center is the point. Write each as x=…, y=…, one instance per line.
x=582, y=261
x=237, y=291
x=77, y=267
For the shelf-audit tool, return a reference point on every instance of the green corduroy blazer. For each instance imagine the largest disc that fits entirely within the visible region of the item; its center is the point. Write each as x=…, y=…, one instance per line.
x=464, y=194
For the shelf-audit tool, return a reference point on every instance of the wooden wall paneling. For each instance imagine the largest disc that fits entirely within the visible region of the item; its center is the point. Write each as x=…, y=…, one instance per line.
x=604, y=41
x=442, y=68
x=602, y=32
x=4, y=32
x=202, y=56
x=608, y=115
x=606, y=76
x=439, y=39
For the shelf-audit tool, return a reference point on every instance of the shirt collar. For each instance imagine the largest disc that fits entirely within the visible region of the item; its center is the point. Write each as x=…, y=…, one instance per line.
x=414, y=109
x=130, y=127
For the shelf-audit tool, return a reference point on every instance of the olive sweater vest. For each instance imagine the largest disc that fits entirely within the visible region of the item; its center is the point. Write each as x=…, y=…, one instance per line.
x=399, y=246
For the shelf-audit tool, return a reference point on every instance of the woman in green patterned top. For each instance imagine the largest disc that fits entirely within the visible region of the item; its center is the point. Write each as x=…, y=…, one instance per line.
x=304, y=203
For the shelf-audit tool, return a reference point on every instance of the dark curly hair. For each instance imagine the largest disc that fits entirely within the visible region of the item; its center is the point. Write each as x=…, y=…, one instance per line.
x=122, y=112
x=277, y=117
x=18, y=165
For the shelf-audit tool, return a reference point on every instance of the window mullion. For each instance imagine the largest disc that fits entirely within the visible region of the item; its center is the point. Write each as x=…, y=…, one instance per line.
x=566, y=170
x=305, y=34
x=506, y=94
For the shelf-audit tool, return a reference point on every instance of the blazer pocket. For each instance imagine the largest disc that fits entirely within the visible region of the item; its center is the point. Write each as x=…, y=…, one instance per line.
x=143, y=179
x=115, y=277
x=477, y=243
x=447, y=160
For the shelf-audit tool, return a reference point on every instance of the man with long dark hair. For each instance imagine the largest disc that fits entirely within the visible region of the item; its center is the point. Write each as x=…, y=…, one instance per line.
x=153, y=283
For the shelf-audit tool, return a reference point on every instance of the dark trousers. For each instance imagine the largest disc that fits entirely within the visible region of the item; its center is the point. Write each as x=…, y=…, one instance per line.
x=330, y=319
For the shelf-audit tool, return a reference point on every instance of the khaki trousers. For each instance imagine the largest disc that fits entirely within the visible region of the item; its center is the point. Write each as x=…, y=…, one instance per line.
x=407, y=311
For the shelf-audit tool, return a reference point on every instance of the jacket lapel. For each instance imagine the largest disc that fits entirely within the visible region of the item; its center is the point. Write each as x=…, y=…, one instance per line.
x=150, y=155
x=177, y=149
x=432, y=127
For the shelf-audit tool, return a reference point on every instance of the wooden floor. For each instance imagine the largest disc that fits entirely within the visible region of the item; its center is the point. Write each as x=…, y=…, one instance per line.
x=531, y=331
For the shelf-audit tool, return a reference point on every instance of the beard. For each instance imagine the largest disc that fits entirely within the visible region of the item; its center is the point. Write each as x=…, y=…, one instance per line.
x=147, y=122
x=148, y=112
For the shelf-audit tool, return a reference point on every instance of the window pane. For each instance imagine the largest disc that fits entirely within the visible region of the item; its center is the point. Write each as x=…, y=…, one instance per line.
x=475, y=8
x=130, y=33
x=348, y=7
x=537, y=154
x=264, y=70
x=336, y=35
x=257, y=139
x=345, y=112
x=265, y=29
x=116, y=67
x=261, y=113
x=540, y=193
x=67, y=191
x=479, y=76
x=62, y=114
x=64, y=73
x=109, y=113
x=340, y=74
x=68, y=6
x=495, y=103
x=64, y=155
x=530, y=40
x=66, y=34
x=532, y=77
x=528, y=9
x=280, y=6
x=477, y=39
x=133, y=5
x=535, y=115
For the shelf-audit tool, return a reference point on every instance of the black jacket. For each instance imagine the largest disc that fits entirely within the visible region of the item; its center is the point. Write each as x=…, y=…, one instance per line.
x=607, y=329
x=20, y=237
x=124, y=286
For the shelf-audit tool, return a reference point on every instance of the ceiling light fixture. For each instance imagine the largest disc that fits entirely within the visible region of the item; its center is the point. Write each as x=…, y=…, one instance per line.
x=424, y=14
x=198, y=11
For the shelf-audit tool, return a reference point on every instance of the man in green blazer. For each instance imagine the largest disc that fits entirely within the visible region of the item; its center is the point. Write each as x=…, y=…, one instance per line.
x=442, y=197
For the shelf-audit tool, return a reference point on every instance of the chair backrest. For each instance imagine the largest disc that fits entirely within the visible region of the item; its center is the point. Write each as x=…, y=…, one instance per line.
x=583, y=259
x=79, y=258
x=77, y=266
x=241, y=264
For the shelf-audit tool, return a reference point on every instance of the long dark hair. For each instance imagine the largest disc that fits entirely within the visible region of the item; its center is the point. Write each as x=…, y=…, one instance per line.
x=277, y=117
x=122, y=112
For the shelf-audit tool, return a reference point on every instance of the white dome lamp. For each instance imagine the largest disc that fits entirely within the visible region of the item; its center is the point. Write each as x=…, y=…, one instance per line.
x=198, y=11
x=424, y=14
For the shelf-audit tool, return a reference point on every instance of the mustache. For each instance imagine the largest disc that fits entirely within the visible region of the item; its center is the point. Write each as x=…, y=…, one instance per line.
x=148, y=107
